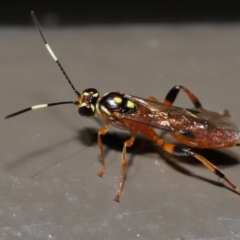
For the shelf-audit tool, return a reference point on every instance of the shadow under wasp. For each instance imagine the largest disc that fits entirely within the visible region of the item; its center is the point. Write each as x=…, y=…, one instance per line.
x=194, y=127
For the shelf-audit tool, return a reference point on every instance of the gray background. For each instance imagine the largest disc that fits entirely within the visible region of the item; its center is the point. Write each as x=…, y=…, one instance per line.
x=49, y=158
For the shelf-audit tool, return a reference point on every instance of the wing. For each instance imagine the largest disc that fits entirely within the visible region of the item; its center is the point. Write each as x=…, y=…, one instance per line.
x=190, y=123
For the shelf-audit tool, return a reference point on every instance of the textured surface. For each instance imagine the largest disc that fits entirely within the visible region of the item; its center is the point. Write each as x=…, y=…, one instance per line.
x=49, y=158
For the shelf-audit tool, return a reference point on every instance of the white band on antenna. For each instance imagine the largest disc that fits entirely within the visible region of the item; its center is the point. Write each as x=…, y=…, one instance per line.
x=51, y=52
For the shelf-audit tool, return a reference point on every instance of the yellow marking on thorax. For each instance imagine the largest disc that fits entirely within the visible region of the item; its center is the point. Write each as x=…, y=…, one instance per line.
x=98, y=110
x=117, y=100
x=105, y=110
x=130, y=104
x=106, y=94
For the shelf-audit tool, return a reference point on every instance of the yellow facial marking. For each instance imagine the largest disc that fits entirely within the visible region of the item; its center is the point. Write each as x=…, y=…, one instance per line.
x=85, y=94
x=83, y=104
x=130, y=104
x=92, y=107
x=117, y=100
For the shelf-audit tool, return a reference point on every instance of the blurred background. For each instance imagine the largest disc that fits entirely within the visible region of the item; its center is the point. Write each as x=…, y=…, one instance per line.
x=117, y=12
x=50, y=158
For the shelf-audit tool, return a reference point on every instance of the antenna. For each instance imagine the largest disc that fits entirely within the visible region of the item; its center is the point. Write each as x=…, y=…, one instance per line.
x=63, y=71
x=39, y=106
x=51, y=52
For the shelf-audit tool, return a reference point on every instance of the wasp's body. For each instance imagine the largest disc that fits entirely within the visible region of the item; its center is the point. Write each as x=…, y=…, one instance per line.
x=194, y=127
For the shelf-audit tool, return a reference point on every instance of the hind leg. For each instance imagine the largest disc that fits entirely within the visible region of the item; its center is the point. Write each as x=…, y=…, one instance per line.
x=184, y=151
x=172, y=95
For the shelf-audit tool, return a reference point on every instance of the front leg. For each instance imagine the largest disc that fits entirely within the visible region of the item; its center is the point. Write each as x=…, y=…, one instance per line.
x=127, y=143
x=101, y=132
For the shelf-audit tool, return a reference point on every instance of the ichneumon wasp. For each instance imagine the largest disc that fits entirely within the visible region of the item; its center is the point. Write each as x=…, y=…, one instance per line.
x=194, y=127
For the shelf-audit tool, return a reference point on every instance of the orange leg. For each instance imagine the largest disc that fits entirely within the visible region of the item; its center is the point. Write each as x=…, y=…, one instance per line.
x=184, y=151
x=127, y=143
x=172, y=94
x=101, y=132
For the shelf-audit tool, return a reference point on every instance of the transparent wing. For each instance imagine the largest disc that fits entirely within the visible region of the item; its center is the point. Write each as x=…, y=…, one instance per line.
x=191, y=123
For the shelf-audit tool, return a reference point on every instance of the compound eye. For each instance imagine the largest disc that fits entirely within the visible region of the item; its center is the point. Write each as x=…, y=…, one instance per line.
x=86, y=111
